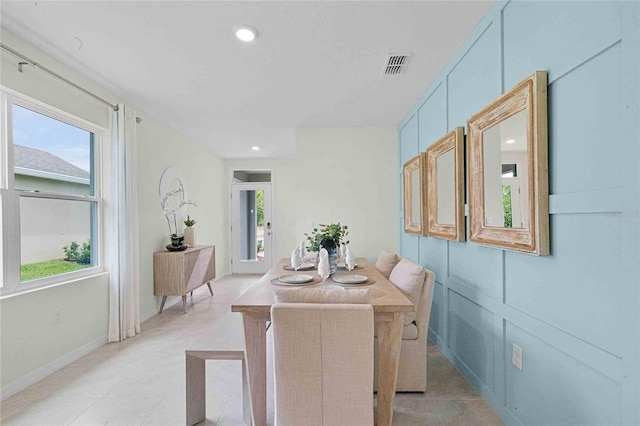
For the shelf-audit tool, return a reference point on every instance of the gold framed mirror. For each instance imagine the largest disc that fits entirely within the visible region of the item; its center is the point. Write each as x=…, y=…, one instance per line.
x=445, y=187
x=507, y=170
x=413, y=175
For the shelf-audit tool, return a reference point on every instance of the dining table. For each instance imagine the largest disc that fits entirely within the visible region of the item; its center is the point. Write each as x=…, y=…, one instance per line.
x=389, y=307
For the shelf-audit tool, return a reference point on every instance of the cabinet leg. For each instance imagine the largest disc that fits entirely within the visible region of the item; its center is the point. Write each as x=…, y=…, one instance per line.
x=210, y=289
x=184, y=303
x=164, y=299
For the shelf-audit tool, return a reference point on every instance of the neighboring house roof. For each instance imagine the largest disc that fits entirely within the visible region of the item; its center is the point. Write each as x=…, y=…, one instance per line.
x=44, y=164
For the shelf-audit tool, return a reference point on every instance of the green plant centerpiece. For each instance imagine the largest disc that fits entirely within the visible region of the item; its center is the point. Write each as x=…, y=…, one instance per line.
x=329, y=237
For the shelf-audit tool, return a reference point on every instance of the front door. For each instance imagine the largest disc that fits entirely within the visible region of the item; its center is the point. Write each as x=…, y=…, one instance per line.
x=251, y=228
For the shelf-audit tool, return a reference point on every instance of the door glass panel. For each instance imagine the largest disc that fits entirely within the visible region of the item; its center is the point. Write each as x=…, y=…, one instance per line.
x=252, y=229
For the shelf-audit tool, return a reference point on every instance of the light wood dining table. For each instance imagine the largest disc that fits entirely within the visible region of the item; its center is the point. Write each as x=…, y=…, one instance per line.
x=389, y=306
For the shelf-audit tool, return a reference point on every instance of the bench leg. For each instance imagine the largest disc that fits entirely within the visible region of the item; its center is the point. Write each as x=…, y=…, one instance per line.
x=196, y=379
x=246, y=399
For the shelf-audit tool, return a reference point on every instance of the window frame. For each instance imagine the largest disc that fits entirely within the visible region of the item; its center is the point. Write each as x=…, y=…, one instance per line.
x=10, y=237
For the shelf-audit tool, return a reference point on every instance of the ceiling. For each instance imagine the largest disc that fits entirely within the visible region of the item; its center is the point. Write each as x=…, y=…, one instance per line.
x=314, y=64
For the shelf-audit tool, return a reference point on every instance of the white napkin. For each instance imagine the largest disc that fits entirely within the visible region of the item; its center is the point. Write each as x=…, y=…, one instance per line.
x=343, y=251
x=323, y=264
x=302, y=250
x=350, y=259
x=296, y=259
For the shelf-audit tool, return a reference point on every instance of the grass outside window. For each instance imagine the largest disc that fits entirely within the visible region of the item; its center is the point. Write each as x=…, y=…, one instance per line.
x=33, y=271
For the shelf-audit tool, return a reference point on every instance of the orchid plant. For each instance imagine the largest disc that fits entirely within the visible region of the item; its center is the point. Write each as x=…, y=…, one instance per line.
x=171, y=212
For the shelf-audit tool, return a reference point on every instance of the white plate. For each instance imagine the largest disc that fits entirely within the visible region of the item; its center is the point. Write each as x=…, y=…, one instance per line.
x=295, y=278
x=303, y=266
x=350, y=279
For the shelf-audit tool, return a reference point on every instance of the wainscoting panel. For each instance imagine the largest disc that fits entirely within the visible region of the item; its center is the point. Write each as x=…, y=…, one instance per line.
x=476, y=265
x=575, y=312
x=432, y=118
x=436, y=321
x=408, y=138
x=588, y=132
x=433, y=255
x=578, y=394
x=471, y=338
x=556, y=37
x=475, y=81
x=585, y=302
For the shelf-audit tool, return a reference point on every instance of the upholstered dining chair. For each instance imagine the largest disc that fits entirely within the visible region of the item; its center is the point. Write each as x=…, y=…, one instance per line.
x=323, y=361
x=417, y=284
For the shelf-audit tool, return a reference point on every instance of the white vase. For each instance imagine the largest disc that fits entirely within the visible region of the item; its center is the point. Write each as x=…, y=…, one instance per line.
x=190, y=236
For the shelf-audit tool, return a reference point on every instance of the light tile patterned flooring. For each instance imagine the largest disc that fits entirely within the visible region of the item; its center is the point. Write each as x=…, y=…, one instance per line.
x=141, y=380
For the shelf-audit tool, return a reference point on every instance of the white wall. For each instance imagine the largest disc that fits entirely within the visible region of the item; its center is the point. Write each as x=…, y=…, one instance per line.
x=349, y=175
x=159, y=148
x=345, y=174
x=33, y=342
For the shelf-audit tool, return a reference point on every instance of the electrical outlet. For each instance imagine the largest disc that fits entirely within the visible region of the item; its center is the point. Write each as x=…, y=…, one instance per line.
x=516, y=356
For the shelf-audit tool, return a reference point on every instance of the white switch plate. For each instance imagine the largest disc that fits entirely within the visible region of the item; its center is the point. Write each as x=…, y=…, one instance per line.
x=516, y=357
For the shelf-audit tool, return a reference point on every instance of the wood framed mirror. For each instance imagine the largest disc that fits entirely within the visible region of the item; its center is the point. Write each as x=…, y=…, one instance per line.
x=445, y=187
x=507, y=170
x=413, y=175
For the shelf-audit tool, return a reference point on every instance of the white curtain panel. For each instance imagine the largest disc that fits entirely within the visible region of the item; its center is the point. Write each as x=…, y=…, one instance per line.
x=124, y=307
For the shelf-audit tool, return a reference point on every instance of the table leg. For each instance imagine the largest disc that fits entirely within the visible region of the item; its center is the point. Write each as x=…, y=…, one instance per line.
x=389, y=343
x=195, y=390
x=255, y=336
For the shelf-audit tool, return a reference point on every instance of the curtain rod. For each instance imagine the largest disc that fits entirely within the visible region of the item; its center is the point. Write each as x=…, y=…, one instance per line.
x=53, y=74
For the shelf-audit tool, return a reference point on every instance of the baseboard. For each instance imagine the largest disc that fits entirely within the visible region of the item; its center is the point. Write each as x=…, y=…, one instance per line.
x=50, y=368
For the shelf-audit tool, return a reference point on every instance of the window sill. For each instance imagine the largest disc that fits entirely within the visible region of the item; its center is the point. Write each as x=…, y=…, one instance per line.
x=30, y=288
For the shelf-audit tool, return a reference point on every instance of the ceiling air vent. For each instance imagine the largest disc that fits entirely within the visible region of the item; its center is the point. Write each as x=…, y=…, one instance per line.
x=396, y=63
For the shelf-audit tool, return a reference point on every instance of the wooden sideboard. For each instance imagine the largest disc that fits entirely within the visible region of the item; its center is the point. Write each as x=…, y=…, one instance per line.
x=176, y=273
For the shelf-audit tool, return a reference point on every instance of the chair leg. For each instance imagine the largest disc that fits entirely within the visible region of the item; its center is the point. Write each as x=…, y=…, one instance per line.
x=196, y=379
x=246, y=399
x=210, y=289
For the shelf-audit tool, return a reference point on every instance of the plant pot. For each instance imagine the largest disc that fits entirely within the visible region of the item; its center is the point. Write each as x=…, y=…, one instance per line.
x=190, y=236
x=332, y=251
x=176, y=241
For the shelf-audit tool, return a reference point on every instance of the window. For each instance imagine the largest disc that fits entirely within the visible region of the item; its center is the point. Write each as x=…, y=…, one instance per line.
x=51, y=196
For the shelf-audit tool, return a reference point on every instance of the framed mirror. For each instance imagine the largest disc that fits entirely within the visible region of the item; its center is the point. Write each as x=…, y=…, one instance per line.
x=445, y=187
x=507, y=170
x=413, y=174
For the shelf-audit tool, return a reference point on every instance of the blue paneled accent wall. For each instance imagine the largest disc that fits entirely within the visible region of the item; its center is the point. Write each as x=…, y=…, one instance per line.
x=574, y=313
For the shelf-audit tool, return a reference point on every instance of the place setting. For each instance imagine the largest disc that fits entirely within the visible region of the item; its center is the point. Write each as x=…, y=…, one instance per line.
x=345, y=278
x=298, y=261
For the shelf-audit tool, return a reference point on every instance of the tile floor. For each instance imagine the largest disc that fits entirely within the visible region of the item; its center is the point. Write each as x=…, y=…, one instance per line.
x=141, y=381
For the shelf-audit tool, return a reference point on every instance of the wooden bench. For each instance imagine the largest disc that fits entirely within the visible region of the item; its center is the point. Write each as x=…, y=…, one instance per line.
x=224, y=340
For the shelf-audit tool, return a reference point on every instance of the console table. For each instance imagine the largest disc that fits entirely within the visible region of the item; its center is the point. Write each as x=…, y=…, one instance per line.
x=176, y=273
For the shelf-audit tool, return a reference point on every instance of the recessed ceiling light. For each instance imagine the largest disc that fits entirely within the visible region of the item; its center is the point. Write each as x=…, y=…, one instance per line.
x=255, y=148
x=510, y=141
x=245, y=33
